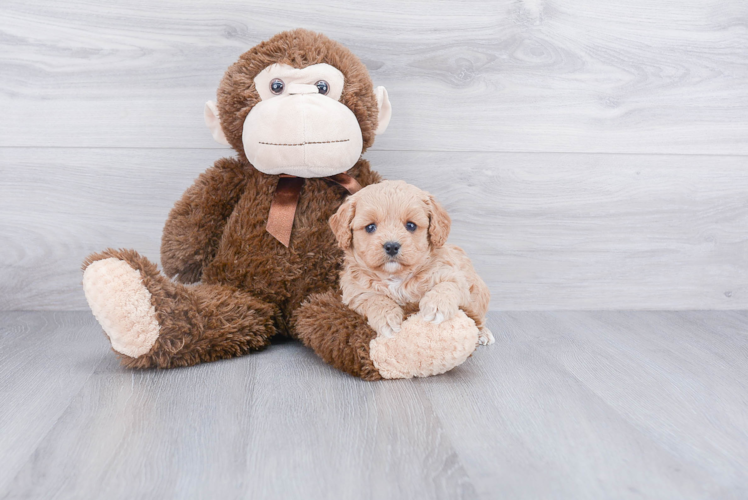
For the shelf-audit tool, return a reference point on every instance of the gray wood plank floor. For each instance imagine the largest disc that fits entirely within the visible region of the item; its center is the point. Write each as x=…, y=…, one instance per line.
x=564, y=405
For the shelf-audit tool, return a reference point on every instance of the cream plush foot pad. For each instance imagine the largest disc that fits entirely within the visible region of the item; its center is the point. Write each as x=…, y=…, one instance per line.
x=422, y=348
x=122, y=305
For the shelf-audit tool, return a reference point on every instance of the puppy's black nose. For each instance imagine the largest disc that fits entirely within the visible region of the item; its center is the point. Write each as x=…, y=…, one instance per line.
x=391, y=248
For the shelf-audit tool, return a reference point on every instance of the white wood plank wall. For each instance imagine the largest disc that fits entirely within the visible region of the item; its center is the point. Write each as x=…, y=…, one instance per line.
x=594, y=155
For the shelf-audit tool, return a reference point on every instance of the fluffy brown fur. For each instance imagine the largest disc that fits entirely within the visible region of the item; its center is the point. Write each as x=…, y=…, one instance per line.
x=250, y=285
x=377, y=284
x=337, y=334
x=298, y=48
x=197, y=324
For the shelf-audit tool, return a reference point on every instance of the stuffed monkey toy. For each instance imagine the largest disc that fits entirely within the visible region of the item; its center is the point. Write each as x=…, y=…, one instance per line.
x=248, y=247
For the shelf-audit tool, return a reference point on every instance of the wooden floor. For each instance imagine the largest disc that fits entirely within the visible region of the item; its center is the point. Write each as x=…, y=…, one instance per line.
x=564, y=405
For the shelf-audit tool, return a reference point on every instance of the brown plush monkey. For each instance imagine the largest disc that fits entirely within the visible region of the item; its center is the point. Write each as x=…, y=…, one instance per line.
x=252, y=236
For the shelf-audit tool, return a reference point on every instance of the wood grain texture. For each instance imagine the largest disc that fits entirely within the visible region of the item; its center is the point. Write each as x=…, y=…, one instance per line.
x=569, y=397
x=546, y=231
x=45, y=360
x=498, y=75
x=222, y=430
x=564, y=405
x=102, y=130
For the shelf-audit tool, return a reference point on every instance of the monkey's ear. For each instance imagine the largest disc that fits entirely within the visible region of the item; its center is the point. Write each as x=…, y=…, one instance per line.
x=385, y=109
x=214, y=124
x=439, y=223
x=341, y=221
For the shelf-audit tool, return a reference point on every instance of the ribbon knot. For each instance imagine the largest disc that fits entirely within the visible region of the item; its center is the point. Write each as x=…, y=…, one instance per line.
x=286, y=198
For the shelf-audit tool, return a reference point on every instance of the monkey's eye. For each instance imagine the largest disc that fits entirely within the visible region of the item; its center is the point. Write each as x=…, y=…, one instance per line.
x=323, y=87
x=276, y=86
x=371, y=228
x=410, y=226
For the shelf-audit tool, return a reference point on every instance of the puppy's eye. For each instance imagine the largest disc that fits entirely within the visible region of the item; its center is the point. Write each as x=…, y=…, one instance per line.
x=411, y=226
x=276, y=86
x=323, y=87
x=371, y=228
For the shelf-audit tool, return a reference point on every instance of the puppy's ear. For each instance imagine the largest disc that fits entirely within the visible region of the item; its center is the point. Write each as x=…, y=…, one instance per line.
x=340, y=223
x=439, y=223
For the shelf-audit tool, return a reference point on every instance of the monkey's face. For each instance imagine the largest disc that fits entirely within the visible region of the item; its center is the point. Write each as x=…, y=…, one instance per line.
x=313, y=120
x=300, y=127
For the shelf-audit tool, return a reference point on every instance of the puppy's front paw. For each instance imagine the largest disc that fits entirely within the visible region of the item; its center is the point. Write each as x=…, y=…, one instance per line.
x=436, y=309
x=388, y=324
x=485, y=337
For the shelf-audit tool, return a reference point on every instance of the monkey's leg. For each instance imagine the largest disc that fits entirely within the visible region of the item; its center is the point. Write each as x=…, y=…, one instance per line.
x=339, y=335
x=154, y=322
x=343, y=339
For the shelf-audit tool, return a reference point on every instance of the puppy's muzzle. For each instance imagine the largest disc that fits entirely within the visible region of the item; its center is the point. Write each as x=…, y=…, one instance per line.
x=391, y=248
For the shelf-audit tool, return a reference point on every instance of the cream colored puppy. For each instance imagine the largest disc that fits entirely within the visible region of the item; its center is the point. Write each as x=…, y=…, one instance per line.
x=394, y=236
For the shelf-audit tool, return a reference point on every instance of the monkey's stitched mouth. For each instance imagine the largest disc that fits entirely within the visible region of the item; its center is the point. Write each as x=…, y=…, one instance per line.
x=301, y=143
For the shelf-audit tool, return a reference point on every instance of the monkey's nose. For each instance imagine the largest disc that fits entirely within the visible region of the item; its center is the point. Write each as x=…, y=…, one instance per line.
x=391, y=248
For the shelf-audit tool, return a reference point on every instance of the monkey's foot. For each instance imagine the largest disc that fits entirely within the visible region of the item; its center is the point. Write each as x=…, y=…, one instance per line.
x=422, y=348
x=122, y=305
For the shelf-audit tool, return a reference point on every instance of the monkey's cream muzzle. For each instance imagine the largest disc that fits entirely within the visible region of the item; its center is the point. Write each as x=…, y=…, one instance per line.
x=302, y=133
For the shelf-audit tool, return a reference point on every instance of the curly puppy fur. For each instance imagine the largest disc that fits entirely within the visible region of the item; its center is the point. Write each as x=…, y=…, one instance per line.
x=394, y=235
x=250, y=286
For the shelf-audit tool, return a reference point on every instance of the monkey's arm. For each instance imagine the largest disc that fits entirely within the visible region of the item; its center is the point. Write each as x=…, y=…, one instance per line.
x=195, y=224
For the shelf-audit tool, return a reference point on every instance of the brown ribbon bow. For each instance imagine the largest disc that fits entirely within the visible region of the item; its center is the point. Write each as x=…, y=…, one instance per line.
x=286, y=198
